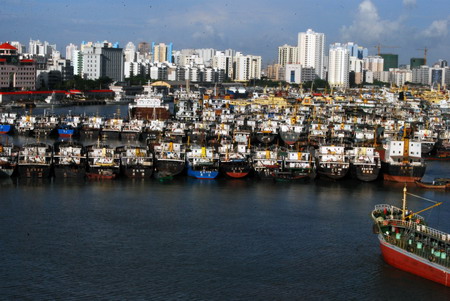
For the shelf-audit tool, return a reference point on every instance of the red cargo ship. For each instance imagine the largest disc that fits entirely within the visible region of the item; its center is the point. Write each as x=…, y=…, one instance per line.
x=408, y=244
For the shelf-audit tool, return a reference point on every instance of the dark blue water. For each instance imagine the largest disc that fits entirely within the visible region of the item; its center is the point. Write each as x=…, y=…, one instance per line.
x=204, y=240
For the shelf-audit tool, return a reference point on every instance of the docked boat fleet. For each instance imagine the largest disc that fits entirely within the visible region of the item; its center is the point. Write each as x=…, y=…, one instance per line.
x=281, y=138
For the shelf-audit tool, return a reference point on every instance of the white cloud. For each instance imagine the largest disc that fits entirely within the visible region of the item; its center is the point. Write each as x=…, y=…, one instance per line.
x=437, y=29
x=368, y=26
x=410, y=3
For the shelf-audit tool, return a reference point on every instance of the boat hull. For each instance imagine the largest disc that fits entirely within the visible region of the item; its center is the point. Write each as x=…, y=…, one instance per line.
x=66, y=133
x=205, y=174
x=7, y=170
x=5, y=129
x=89, y=133
x=365, y=172
x=413, y=264
x=110, y=135
x=169, y=167
x=334, y=171
x=235, y=169
x=150, y=113
x=137, y=172
x=102, y=173
x=130, y=136
x=69, y=171
x=402, y=173
x=34, y=171
x=290, y=137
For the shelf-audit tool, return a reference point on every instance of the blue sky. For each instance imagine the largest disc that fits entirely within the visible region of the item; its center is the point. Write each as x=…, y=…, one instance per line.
x=253, y=27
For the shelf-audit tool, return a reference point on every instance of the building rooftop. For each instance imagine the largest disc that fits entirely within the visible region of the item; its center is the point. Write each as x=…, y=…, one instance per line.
x=7, y=46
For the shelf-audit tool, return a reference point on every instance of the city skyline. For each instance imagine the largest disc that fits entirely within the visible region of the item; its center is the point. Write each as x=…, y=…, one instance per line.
x=257, y=28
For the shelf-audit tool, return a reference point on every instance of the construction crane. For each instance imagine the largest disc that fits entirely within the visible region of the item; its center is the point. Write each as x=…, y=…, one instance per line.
x=425, y=51
x=379, y=46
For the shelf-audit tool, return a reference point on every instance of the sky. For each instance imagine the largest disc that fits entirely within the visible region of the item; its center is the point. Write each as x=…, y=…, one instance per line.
x=255, y=27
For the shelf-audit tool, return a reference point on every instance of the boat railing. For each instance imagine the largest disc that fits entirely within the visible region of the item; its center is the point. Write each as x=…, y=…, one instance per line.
x=412, y=223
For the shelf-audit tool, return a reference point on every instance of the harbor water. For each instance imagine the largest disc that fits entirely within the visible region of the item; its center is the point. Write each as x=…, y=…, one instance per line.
x=204, y=240
x=188, y=239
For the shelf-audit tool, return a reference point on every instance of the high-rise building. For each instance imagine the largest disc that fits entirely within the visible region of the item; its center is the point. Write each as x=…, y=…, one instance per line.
x=276, y=72
x=14, y=72
x=37, y=48
x=311, y=51
x=246, y=67
x=374, y=63
x=421, y=75
x=20, y=48
x=144, y=48
x=416, y=62
x=390, y=61
x=130, y=52
x=338, y=66
x=101, y=60
x=70, y=51
x=399, y=76
x=287, y=55
x=162, y=52
x=356, y=51
x=223, y=62
x=356, y=68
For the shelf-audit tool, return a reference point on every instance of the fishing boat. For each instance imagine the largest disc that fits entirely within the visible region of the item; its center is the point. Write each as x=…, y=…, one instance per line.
x=69, y=160
x=5, y=129
x=332, y=161
x=91, y=127
x=202, y=162
x=103, y=162
x=432, y=185
x=149, y=106
x=365, y=163
x=266, y=162
x=35, y=160
x=131, y=130
x=46, y=126
x=112, y=128
x=296, y=165
x=408, y=244
x=7, y=122
x=8, y=159
x=69, y=126
x=235, y=160
x=136, y=161
x=403, y=161
x=170, y=158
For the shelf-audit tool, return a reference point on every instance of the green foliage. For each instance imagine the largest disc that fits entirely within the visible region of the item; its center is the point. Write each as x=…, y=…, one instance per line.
x=79, y=83
x=138, y=79
x=318, y=84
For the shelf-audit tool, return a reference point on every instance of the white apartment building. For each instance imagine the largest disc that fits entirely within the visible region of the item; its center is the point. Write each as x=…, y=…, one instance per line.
x=70, y=51
x=338, y=66
x=130, y=52
x=356, y=66
x=400, y=76
x=224, y=62
x=311, y=51
x=287, y=55
x=101, y=59
x=293, y=73
x=41, y=48
x=246, y=67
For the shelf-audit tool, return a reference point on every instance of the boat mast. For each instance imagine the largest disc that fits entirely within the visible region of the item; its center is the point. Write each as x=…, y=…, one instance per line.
x=404, y=203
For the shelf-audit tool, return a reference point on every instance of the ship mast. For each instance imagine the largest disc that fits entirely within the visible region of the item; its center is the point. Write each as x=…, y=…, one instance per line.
x=404, y=203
